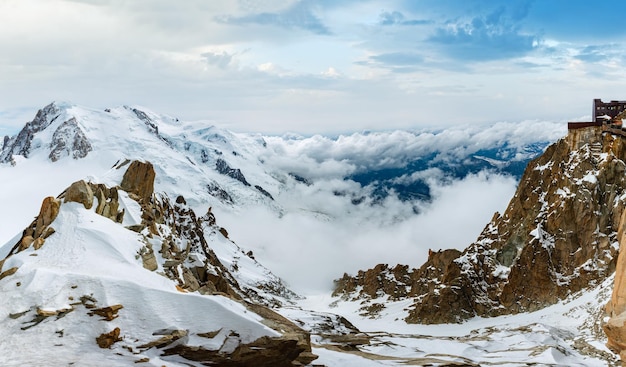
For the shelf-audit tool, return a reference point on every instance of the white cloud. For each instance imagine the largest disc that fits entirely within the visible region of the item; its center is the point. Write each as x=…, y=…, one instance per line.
x=320, y=156
x=310, y=249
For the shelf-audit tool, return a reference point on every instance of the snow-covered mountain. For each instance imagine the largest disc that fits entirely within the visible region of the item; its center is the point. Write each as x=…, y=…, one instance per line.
x=205, y=162
x=119, y=269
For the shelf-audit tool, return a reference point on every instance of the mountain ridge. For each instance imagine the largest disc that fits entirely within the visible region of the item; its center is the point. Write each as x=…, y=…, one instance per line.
x=558, y=236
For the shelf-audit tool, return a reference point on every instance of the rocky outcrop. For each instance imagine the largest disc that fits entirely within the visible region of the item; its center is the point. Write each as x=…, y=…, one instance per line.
x=557, y=236
x=139, y=179
x=615, y=327
x=263, y=352
x=69, y=140
x=106, y=340
x=222, y=167
x=36, y=233
x=21, y=143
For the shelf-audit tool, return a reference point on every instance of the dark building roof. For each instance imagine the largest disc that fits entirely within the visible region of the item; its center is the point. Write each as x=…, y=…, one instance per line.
x=611, y=109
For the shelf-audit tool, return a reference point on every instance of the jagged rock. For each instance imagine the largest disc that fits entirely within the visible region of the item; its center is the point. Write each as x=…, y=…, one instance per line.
x=615, y=327
x=80, y=192
x=215, y=190
x=263, y=191
x=169, y=336
x=263, y=352
x=395, y=282
x=25, y=243
x=139, y=179
x=555, y=238
x=69, y=140
x=108, y=313
x=48, y=232
x=148, y=258
x=49, y=210
x=289, y=331
x=106, y=340
x=108, y=202
x=21, y=144
x=222, y=167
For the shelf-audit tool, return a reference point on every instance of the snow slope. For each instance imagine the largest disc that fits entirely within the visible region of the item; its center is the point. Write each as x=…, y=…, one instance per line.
x=92, y=261
x=566, y=334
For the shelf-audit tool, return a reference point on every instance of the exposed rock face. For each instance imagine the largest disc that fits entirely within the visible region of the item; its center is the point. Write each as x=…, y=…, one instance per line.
x=615, y=327
x=139, y=179
x=557, y=236
x=222, y=167
x=381, y=280
x=49, y=210
x=21, y=144
x=69, y=140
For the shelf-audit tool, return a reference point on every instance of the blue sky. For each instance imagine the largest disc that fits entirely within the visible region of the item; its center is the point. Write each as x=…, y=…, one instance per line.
x=314, y=66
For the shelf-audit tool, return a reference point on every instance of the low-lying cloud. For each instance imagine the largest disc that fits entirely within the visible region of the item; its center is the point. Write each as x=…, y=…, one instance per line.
x=310, y=248
x=320, y=156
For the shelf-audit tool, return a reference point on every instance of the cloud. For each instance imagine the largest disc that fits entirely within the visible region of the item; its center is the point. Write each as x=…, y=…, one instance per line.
x=300, y=15
x=600, y=53
x=347, y=154
x=398, y=61
x=485, y=37
x=221, y=59
x=310, y=249
x=398, y=18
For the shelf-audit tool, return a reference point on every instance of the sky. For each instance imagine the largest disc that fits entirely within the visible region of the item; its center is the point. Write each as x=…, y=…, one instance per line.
x=314, y=66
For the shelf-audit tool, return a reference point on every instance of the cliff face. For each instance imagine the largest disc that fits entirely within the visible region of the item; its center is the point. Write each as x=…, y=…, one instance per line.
x=557, y=236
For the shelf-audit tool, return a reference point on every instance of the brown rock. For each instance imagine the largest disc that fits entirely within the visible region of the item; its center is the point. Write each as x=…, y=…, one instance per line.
x=8, y=272
x=99, y=193
x=49, y=210
x=25, y=242
x=168, y=338
x=263, y=352
x=616, y=308
x=80, y=192
x=38, y=243
x=139, y=179
x=148, y=258
x=48, y=232
x=107, y=313
x=106, y=340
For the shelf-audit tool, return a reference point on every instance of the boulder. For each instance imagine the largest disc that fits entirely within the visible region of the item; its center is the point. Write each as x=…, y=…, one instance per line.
x=80, y=192
x=139, y=179
x=106, y=340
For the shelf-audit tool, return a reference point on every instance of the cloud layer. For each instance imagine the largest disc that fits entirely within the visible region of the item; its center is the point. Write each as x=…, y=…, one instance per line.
x=323, y=233
x=310, y=250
